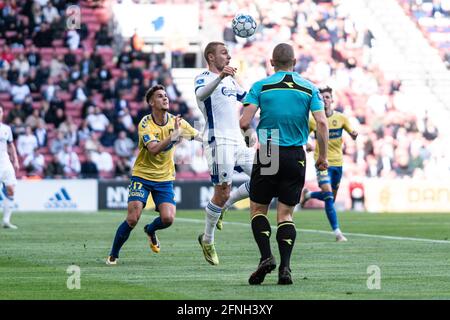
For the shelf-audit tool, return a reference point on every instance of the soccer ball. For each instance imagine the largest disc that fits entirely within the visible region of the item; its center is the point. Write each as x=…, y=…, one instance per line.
x=243, y=25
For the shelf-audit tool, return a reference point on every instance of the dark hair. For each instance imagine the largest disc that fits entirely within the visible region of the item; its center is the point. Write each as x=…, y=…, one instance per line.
x=151, y=91
x=283, y=55
x=211, y=48
x=326, y=89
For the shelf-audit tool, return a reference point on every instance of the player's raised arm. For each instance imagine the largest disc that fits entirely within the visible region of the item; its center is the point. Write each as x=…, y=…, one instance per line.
x=155, y=147
x=205, y=91
x=190, y=133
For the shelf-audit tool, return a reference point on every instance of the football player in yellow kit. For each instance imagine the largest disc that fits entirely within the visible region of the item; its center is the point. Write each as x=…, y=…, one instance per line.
x=154, y=170
x=329, y=179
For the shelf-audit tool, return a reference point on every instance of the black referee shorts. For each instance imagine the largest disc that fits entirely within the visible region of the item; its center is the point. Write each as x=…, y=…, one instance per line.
x=286, y=183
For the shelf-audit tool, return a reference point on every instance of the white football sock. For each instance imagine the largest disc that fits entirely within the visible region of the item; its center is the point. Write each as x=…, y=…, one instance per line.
x=8, y=203
x=212, y=216
x=337, y=231
x=238, y=194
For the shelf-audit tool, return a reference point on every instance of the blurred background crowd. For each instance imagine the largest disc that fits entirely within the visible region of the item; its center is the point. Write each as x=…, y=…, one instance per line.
x=74, y=97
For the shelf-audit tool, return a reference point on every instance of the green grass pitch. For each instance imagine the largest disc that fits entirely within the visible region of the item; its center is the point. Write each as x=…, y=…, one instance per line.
x=34, y=259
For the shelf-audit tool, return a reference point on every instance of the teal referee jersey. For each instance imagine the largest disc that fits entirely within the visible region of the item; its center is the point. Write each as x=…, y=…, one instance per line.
x=285, y=100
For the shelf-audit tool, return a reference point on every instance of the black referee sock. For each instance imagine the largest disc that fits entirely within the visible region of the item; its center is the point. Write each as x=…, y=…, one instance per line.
x=286, y=234
x=261, y=232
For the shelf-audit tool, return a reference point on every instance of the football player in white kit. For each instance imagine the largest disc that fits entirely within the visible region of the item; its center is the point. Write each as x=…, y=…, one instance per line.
x=217, y=93
x=8, y=163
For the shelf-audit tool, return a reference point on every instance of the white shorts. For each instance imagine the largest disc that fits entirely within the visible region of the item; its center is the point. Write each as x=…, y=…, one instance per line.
x=223, y=160
x=7, y=174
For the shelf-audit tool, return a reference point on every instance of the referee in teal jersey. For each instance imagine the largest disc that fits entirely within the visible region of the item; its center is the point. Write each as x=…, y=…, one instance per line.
x=284, y=100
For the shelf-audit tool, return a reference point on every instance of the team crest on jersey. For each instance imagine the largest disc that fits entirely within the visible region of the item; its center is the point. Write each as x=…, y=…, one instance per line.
x=334, y=122
x=228, y=92
x=146, y=138
x=200, y=81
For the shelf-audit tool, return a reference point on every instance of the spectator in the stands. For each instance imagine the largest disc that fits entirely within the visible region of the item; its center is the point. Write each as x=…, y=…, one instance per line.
x=34, y=119
x=69, y=129
x=96, y=120
x=57, y=65
x=70, y=59
x=17, y=127
x=123, y=146
x=32, y=81
x=93, y=84
x=80, y=92
x=43, y=37
x=89, y=169
x=49, y=89
x=56, y=118
x=26, y=143
x=121, y=103
x=16, y=112
x=73, y=39
x=109, y=92
x=108, y=136
x=125, y=58
x=135, y=73
x=33, y=56
x=20, y=90
x=70, y=161
x=109, y=111
x=103, y=37
x=41, y=134
x=87, y=66
x=58, y=143
x=103, y=160
x=34, y=163
x=84, y=133
x=125, y=121
x=22, y=65
x=50, y=12
x=54, y=169
x=5, y=85
x=124, y=82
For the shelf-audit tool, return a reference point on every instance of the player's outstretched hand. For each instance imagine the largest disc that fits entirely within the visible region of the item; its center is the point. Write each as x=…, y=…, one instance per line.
x=175, y=135
x=321, y=164
x=228, y=71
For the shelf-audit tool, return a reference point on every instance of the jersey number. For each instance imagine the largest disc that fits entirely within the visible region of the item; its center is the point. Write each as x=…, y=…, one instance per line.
x=136, y=185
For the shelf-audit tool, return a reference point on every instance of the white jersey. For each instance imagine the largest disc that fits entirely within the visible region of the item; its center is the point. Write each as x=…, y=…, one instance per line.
x=7, y=174
x=5, y=138
x=220, y=110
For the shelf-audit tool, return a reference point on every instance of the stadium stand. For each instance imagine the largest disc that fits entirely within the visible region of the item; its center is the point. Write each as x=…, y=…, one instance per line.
x=80, y=89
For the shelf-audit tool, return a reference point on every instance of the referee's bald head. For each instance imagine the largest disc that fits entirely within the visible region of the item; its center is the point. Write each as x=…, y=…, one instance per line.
x=283, y=56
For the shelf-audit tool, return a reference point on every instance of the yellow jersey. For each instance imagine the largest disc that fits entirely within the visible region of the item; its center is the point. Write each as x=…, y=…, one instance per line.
x=336, y=122
x=158, y=167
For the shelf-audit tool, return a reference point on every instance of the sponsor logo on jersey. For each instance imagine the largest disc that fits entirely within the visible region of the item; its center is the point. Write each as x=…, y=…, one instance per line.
x=228, y=92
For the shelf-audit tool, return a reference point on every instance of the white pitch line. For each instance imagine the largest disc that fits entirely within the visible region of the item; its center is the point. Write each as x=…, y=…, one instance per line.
x=329, y=232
